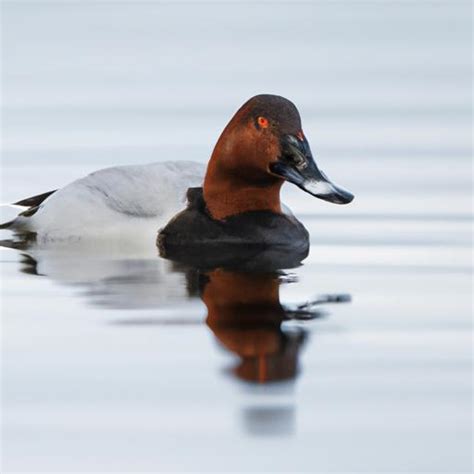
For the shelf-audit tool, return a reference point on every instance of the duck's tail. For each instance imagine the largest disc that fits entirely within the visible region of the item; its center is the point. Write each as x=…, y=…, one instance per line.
x=32, y=203
x=34, y=200
x=7, y=225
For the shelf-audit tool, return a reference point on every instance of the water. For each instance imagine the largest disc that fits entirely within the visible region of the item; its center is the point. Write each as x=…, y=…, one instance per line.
x=114, y=361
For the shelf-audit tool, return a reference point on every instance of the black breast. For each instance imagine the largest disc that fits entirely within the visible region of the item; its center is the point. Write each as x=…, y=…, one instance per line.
x=194, y=234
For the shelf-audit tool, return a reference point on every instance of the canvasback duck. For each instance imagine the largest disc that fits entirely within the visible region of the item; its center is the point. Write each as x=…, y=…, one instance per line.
x=239, y=202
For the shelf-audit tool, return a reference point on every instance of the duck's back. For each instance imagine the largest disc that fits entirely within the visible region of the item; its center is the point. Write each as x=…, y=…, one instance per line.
x=114, y=202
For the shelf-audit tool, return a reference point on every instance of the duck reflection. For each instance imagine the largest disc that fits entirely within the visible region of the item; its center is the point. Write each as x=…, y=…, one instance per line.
x=111, y=278
x=243, y=309
x=242, y=297
x=246, y=316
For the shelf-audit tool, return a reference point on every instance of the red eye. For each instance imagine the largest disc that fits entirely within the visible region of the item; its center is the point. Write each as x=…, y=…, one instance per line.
x=262, y=122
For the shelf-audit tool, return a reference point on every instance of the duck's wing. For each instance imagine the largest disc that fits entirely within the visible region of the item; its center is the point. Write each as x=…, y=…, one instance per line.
x=107, y=199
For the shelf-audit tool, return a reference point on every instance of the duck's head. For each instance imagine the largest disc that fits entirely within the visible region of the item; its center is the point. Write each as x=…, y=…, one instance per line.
x=261, y=147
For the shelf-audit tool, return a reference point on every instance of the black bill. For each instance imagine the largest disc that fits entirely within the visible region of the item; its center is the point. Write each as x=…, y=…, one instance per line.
x=296, y=165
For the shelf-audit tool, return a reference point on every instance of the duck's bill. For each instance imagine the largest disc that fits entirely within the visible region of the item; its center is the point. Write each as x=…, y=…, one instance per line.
x=296, y=165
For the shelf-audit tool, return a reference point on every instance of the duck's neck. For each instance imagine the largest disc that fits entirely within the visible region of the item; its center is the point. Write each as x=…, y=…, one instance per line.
x=226, y=195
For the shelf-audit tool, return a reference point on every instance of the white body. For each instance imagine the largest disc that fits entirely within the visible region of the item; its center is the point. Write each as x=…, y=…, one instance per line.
x=123, y=202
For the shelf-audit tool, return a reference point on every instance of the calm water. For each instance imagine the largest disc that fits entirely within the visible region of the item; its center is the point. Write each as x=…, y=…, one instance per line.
x=118, y=361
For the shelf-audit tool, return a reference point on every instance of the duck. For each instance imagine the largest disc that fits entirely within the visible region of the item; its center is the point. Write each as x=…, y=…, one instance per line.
x=235, y=200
